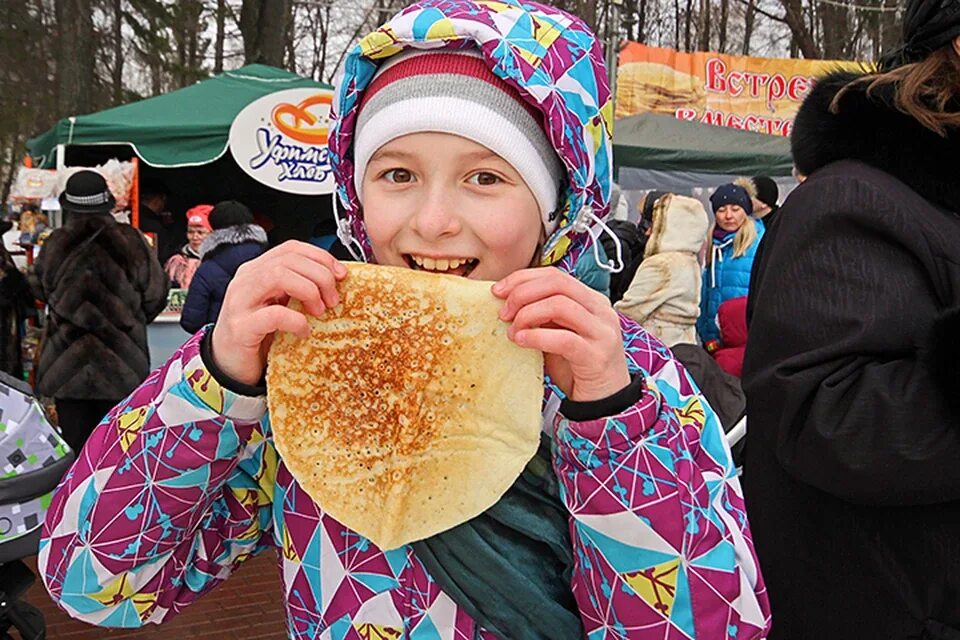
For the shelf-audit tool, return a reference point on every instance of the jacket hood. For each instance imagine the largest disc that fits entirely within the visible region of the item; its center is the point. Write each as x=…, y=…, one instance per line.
x=869, y=128
x=238, y=234
x=549, y=56
x=679, y=224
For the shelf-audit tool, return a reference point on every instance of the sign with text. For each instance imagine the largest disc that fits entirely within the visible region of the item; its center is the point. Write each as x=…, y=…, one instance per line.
x=281, y=140
x=757, y=94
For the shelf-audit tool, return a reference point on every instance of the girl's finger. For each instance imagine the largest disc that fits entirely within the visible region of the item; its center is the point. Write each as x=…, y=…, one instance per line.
x=560, y=311
x=281, y=281
x=320, y=275
x=561, y=342
x=257, y=285
x=309, y=251
x=550, y=284
x=268, y=320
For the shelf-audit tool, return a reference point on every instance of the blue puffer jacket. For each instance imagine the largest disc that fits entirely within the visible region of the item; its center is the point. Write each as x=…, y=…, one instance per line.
x=221, y=254
x=725, y=278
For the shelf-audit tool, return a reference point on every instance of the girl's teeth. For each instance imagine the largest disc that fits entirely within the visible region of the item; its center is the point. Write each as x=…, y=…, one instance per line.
x=418, y=260
x=454, y=264
x=442, y=264
x=429, y=264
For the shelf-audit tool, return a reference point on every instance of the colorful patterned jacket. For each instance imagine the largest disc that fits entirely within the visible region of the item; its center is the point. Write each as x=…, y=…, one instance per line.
x=181, y=482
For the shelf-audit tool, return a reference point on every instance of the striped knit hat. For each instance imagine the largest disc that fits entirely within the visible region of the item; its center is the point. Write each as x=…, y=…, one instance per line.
x=448, y=91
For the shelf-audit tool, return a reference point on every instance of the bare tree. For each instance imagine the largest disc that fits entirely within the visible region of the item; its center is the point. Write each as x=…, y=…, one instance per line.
x=75, y=56
x=263, y=24
x=221, y=17
x=117, y=71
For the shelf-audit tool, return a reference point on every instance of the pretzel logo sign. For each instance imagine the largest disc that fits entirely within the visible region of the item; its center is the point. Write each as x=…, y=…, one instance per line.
x=281, y=140
x=298, y=122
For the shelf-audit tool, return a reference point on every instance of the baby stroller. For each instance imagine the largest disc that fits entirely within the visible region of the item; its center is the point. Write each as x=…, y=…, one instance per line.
x=33, y=458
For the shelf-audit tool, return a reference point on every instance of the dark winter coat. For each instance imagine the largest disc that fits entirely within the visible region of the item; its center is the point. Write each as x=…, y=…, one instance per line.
x=16, y=301
x=221, y=254
x=852, y=473
x=101, y=294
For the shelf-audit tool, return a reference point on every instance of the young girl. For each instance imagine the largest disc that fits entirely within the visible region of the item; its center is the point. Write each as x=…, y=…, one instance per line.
x=446, y=162
x=735, y=240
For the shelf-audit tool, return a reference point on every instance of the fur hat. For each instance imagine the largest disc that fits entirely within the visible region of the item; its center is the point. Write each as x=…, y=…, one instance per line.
x=230, y=213
x=731, y=194
x=449, y=91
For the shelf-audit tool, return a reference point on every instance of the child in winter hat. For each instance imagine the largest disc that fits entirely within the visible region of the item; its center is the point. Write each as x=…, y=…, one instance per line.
x=518, y=179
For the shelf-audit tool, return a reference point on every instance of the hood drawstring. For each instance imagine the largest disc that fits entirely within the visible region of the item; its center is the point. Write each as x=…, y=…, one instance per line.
x=582, y=224
x=345, y=233
x=715, y=258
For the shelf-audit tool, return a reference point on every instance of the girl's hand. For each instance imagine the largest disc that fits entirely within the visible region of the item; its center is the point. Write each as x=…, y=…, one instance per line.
x=255, y=305
x=575, y=327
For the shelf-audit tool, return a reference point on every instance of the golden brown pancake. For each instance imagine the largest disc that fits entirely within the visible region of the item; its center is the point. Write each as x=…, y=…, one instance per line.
x=408, y=410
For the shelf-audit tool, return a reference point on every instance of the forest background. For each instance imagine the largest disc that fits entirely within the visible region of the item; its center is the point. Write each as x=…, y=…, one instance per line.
x=69, y=57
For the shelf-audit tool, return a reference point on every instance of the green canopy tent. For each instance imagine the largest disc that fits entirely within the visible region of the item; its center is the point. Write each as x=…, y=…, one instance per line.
x=663, y=143
x=182, y=141
x=657, y=151
x=183, y=128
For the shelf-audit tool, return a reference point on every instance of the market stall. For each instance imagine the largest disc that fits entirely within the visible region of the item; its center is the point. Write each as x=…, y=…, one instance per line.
x=256, y=134
x=656, y=151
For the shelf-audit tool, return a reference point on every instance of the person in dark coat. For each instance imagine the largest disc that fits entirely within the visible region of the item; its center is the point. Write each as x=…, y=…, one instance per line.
x=852, y=472
x=102, y=285
x=16, y=302
x=158, y=221
x=235, y=239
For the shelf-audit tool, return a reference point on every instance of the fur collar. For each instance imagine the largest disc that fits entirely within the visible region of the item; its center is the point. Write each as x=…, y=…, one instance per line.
x=870, y=129
x=237, y=234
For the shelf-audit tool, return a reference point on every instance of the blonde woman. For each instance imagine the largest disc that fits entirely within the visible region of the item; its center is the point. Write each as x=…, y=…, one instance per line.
x=730, y=259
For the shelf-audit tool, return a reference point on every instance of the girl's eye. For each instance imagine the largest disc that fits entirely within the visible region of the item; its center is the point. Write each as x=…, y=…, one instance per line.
x=484, y=178
x=398, y=176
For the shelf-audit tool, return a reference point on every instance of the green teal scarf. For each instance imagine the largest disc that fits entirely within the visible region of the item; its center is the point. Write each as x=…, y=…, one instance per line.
x=510, y=567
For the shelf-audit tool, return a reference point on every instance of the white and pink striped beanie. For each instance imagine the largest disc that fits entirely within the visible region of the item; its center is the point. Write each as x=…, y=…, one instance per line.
x=453, y=91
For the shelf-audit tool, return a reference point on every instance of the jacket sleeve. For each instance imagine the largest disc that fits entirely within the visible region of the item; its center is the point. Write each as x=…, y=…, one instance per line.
x=170, y=494
x=154, y=283
x=647, y=293
x=835, y=370
x=649, y=490
x=197, y=305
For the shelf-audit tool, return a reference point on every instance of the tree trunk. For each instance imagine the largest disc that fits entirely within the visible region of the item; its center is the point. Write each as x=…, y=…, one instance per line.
x=75, y=56
x=642, y=21
x=676, y=24
x=749, y=19
x=221, y=36
x=704, y=25
x=263, y=25
x=835, y=29
x=117, y=51
x=587, y=10
x=803, y=38
x=724, y=16
x=687, y=26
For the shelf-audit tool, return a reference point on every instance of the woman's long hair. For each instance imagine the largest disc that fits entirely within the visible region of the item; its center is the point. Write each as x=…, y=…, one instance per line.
x=746, y=236
x=928, y=91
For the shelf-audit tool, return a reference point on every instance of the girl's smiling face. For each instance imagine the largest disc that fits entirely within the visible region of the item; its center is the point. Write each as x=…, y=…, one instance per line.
x=439, y=202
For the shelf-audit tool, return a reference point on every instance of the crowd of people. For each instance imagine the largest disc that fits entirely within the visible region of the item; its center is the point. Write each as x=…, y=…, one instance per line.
x=830, y=321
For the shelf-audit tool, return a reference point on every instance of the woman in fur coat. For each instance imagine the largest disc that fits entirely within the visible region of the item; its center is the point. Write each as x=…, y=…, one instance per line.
x=853, y=467
x=234, y=240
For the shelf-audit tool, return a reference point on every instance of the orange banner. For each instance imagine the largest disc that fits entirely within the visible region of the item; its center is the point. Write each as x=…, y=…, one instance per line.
x=758, y=94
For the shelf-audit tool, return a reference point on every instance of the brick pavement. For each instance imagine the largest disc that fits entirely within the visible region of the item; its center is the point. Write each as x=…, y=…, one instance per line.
x=248, y=606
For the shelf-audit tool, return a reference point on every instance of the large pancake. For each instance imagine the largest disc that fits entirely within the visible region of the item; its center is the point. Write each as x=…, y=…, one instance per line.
x=408, y=410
